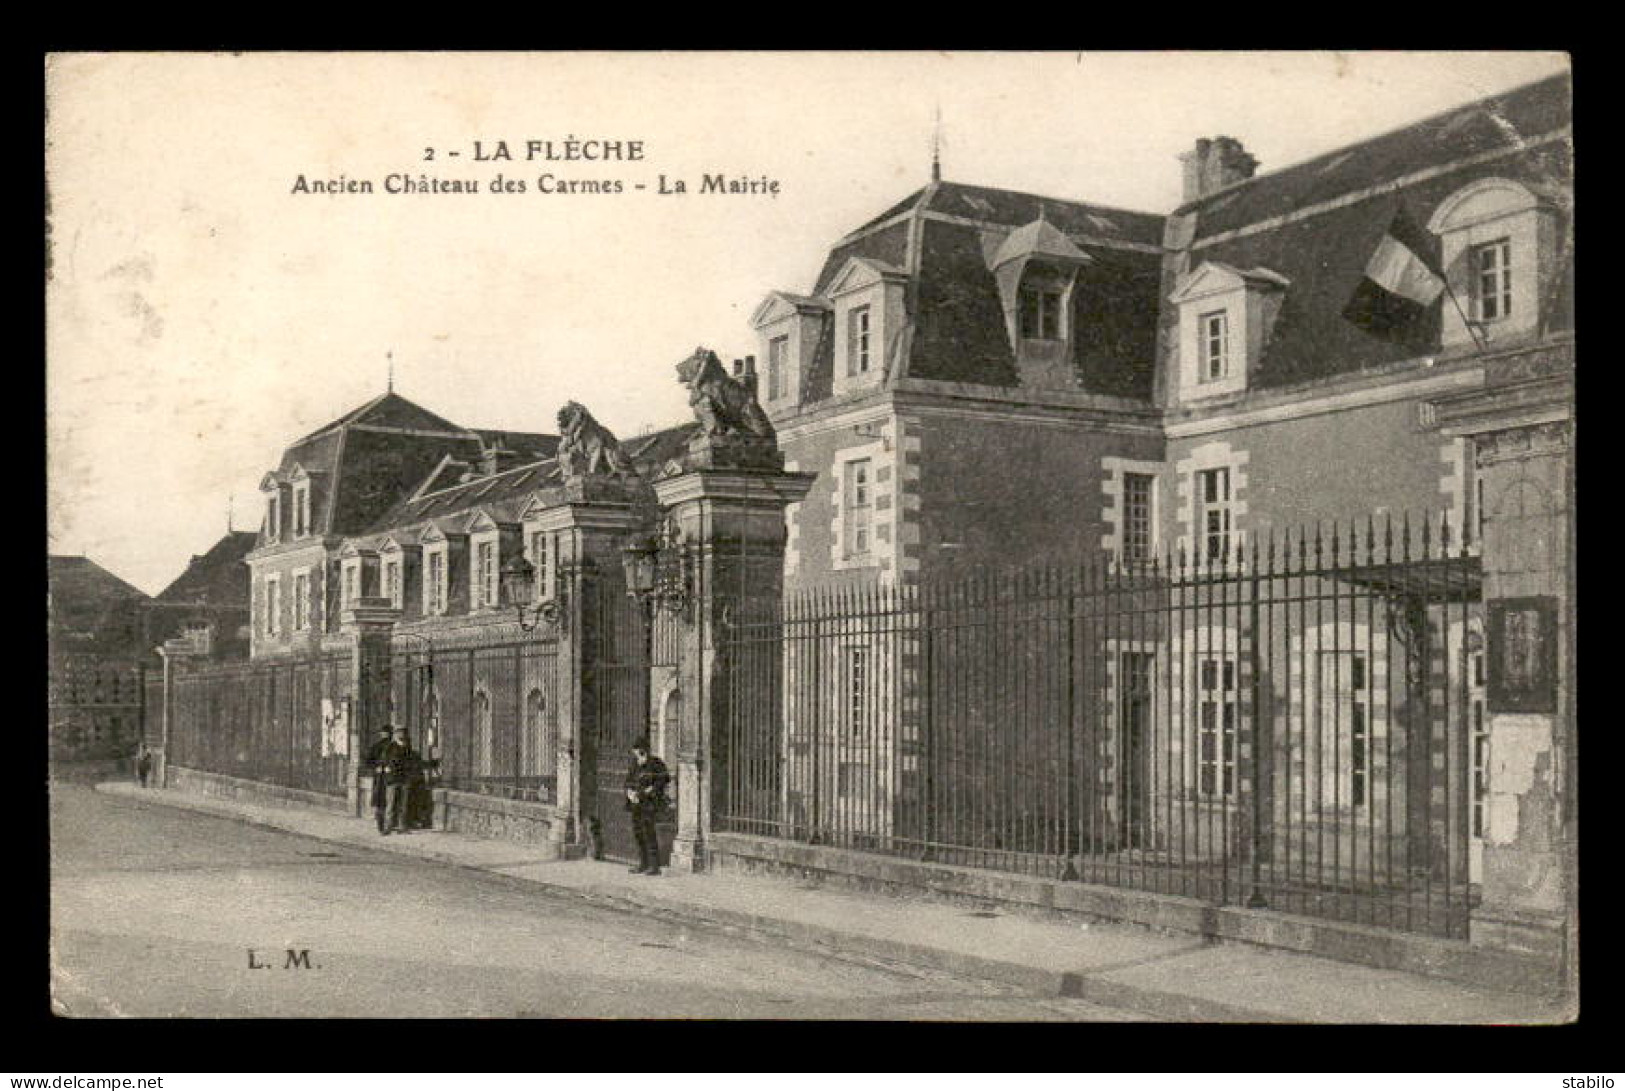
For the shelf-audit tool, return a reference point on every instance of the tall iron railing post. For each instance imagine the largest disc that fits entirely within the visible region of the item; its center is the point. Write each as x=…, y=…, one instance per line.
x=1255, y=900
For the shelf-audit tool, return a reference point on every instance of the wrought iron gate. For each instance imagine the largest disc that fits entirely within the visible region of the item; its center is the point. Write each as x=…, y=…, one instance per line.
x=618, y=666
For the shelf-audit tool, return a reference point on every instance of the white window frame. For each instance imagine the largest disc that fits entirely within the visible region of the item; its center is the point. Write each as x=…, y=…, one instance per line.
x=778, y=363
x=1492, y=287
x=1223, y=506
x=273, y=605
x=1225, y=728
x=541, y=546
x=301, y=509
x=1213, y=346
x=273, y=516
x=859, y=340
x=482, y=576
x=858, y=509
x=393, y=585
x=1127, y=552
x=301, y=599
x=436, y=579
x=1343, y=690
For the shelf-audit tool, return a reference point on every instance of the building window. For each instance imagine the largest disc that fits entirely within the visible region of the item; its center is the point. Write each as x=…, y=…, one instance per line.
x=1213, y=513
x=1214, y=331
x=485, y=575
x=352, y=580
x=392, y=583
x=541, y=559
x=857, y=690
x=857, y=341
x=301, y=601
x=273, y=605
x=1137, y=493
x=1345, y=711
x=1041, y=314
x=778, y=358
x=273, y=517
x=301, y=511
x=1492, y=280
x=858, y=507
x=1216, y=724
x=434, y=583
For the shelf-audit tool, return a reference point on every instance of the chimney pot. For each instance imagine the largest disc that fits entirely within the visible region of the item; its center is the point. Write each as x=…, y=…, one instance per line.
x=1214, y=164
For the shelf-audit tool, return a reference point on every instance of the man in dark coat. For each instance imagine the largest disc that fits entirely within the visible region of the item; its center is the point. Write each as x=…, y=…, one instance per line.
x=646, y=783
x=400, y=768
x=375, y=762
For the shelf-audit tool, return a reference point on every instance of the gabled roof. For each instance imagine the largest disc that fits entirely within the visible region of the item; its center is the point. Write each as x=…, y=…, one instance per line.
x=219, y=577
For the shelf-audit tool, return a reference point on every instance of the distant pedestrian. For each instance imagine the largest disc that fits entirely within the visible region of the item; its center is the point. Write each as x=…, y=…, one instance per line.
x=400, y=765
x=646, y=782
x=375, y=761
x=143, y=764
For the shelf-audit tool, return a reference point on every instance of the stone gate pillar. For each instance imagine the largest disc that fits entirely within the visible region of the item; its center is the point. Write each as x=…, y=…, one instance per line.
x=727, y=505
x=1521, y=426
x=589, y=519
x=370, y=624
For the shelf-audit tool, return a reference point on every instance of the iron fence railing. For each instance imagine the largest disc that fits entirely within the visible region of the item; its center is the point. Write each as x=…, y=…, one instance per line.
x=280, y=723
x=1297, y=724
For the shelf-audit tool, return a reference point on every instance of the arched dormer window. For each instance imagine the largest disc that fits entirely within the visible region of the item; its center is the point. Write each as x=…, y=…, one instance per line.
x=1498, y=245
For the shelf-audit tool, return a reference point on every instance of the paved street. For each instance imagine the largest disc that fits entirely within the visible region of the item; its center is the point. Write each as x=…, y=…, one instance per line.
x=156, y=911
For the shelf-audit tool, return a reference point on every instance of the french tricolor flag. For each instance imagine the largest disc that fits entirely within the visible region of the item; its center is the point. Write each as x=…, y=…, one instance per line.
x=1401, y=283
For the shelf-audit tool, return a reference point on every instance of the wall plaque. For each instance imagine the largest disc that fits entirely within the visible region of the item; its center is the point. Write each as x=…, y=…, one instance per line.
x=1523, y=654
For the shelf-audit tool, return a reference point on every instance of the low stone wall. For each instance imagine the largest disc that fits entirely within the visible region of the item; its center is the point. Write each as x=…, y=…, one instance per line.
x=846, y=869
x=224, y=787
x=499, y=819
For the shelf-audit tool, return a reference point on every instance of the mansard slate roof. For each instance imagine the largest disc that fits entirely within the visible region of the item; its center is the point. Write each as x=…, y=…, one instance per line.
x=958, y=331
x=219, y=577
x=959, y=334
x=367, y=459
x=1324, y=251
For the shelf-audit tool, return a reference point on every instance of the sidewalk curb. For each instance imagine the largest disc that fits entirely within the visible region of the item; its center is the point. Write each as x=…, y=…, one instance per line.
x=1057, y=983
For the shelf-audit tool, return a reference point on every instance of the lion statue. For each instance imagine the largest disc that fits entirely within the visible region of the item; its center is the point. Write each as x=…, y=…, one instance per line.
x=724, y=405
x=587, y=447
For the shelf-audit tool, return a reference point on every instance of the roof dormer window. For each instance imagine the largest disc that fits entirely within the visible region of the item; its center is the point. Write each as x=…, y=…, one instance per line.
x=1498, y=248
x=1226, y=316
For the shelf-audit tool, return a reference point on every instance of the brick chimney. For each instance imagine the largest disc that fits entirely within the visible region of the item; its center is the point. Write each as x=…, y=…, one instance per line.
x=745, y=373
x=1214, y=164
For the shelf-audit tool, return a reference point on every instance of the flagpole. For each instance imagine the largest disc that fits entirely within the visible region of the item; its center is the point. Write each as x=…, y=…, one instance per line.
x=1444, y=279
x=1483, y=346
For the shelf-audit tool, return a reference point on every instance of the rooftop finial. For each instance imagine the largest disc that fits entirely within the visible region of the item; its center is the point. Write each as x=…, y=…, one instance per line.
x=390, y=356
x=230, y=525
x=936, y=147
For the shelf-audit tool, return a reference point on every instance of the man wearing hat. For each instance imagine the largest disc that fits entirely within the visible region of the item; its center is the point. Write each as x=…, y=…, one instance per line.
x=399, y=763
x=375, y=762
x=646, y=782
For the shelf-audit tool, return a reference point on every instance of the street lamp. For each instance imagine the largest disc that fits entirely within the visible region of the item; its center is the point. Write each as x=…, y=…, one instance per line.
x=517, y=579
x=658, y=570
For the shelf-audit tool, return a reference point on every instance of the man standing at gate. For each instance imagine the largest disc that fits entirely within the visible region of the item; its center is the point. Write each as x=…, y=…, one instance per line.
x=375, y=762
x=646, y=783
x=400, y=768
